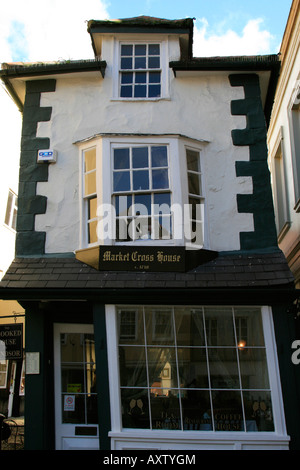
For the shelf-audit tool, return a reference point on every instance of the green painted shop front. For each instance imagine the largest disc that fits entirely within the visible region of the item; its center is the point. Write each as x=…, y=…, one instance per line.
x=46, y=318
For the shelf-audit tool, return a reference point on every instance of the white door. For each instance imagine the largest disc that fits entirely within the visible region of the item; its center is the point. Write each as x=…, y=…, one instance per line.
x=76, y=417
x=12, y=381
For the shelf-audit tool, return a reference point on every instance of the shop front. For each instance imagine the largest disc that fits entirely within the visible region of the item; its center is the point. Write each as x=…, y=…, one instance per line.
x=115, y=365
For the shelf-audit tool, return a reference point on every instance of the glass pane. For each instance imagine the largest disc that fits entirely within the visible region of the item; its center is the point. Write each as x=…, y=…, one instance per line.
x=140, y=77
x=223, y=368
x=135, y=408
x=219, y=326
x=90, y=183
x=126, y=49
x=196, y=411
x=154, y=91
x=249, y=326
x=140, y=180
x=92, y=231
x=194, y=184
x=140, y=157
x=140, y=63
x=126, y=63
x=162, y=228
x=165, y=410
x=132, y=366
x=76, y=413
x=92, y=209
x=121, y=181
x=140, y=91
x=195, y=208
x=189, y=327
x=160, y=179
x=153, y=62
x=159, y=326
x=258, y=411
x=228, y=414
x=254, y=369
x=159, y=156
x=73, y=347
x=72, y=378
x=142, y=204
x=123, y=203
x=121, y=159
x=89, y=160
x=192, y=366
x=162, y=203
x=127, y=77
x=162, y=369
x=131, y=326
x=154, y=77
x=126, y=91
x=140, y=49
x=154, y=49
x=193, y=162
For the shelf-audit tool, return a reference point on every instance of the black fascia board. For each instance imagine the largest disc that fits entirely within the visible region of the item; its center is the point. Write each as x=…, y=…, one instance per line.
x=39, y=69
x=184, y=296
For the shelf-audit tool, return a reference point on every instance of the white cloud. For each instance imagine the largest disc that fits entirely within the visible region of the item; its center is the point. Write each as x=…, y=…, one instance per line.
x=252, y=41
x=43, y=30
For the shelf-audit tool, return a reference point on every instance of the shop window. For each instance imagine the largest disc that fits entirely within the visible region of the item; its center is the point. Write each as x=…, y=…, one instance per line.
x=11, y=210
x=204, y=369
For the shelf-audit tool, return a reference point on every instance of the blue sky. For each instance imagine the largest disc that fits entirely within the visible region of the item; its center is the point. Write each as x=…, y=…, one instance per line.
x=40, y=30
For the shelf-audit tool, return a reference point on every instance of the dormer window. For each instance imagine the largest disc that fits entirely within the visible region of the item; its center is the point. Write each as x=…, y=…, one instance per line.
x=140, y=71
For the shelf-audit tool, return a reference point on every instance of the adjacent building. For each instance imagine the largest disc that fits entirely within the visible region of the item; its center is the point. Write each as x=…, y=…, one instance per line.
x=11, y=313
x=284, y=145
x=158, y=304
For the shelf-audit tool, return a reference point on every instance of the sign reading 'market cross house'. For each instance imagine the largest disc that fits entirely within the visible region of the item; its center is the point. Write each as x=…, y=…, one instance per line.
x=125, y=258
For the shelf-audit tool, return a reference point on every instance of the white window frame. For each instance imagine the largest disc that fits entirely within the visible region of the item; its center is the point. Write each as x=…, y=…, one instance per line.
x=141, y=39
x=178, y=181
x=11, y=212
x=294, y=126
x=278, y=163
x=188, y=440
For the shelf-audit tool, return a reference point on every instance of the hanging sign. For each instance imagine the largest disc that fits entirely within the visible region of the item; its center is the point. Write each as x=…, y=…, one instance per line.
x=11, y=341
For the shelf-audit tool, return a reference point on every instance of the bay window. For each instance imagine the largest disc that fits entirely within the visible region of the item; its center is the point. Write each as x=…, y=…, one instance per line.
x=141, y=190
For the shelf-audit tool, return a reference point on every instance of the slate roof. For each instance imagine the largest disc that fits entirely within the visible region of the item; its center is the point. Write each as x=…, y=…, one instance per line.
x=229, y=271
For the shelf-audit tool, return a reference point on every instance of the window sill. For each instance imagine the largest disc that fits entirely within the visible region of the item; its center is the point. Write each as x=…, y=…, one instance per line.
x=132, y=438
x=141, y=100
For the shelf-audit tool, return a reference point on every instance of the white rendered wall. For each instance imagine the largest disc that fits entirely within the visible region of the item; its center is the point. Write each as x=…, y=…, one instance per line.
x=198, y=108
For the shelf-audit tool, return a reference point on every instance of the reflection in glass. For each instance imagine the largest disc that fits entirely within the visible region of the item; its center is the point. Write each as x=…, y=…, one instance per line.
x=78, y=378
x=189, y=369
x=132, y=366
x=196, y=412
x=228, y=412
x=135, y=408
x=165, y=411
x=258, y=411
x=192, y=364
